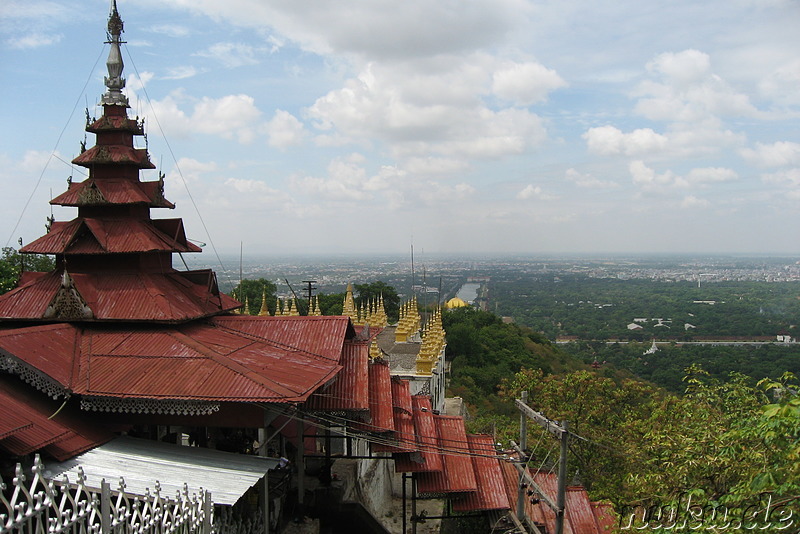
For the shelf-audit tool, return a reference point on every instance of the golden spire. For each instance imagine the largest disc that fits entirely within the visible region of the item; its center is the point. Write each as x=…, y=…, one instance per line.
x=246, y=305
x=264, y=310
x=292, y=308
x=349, y=305
x=278, y=306
x=375, y=351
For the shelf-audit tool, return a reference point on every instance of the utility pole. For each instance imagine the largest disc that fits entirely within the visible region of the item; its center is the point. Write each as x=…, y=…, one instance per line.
x=559, y=431
x=310, y=287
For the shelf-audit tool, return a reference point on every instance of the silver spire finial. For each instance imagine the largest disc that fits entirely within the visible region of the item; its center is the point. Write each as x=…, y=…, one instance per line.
x=114, y=81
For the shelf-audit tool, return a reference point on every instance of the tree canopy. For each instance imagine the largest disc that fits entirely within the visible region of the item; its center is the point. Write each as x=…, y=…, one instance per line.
x=12, y=263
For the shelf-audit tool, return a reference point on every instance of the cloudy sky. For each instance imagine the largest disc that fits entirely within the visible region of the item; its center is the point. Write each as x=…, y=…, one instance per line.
x=467, y=126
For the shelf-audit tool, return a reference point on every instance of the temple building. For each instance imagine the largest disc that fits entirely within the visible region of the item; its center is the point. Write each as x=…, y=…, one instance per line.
x=116, y=349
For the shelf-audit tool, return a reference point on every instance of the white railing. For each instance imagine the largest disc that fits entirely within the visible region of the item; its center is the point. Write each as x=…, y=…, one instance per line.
x=62, y=507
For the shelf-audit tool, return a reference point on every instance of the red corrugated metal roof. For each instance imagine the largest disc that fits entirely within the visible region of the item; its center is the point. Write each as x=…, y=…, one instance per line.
x=102, y=236
x=114, y=191
x=581, y=515
x=114, y=154
x=380, y=394
x=491, y=494
x=350, y=390
x=197, y=361
x=115, y=122
x=48, y=348
x=429, y=458
x=458, y=474
x=323, y=335
x=48, y=427
x=133, y=296
x=11, y=423
x=403, y=439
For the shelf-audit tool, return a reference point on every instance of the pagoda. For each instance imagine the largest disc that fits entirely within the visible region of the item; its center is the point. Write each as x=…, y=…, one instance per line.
x=113, y=261
x=115, y=325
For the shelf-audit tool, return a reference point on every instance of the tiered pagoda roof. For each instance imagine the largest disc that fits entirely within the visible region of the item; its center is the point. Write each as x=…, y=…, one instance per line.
x=113, y=261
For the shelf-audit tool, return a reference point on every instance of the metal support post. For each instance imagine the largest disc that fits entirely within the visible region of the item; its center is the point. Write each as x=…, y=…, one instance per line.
x=523, y=440
x=105, y=507
x=405, y=479
x=562, y=480
x=301, y=467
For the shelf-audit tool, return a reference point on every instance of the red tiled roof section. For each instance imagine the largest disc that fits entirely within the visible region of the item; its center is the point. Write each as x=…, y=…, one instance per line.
x=491, y=494
x=198, y=361
x=56, y=432
x=173, y=297
x=458, y=474
x=101, y=236
x=350, y=390
x=403, y=439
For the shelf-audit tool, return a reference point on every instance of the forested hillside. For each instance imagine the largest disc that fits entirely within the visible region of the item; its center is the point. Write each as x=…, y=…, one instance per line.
x=725, y=442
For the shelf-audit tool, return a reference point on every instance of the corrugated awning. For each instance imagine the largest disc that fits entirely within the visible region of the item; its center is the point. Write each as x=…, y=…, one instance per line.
x=141, y=463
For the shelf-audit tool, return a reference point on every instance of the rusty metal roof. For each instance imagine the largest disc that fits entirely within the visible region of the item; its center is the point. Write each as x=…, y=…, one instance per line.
x=47, y=428
x=114, y=154
x=380, y=394
x=350, y=389
x=102, y=236
x=170, y=297
x=402, y=439
x=458, y=475
x=491, y=494
x=113, y=191
x=429, y=458
x=581, y=515
x=208, y=361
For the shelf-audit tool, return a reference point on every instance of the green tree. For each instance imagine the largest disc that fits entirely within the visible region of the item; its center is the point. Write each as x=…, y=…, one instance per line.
x=252, y=292
x=12, y=263
x=375, y=290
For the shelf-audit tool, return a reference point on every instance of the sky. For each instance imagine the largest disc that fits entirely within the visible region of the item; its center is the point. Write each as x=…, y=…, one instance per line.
x=458, y=126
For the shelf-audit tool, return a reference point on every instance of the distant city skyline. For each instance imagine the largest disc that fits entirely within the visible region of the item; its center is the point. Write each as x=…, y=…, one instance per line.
x=480, y=128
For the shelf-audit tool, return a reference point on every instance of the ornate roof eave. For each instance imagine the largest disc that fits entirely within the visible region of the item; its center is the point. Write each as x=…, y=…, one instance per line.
x=32, y=376
x=149, y=406
x=104, y=155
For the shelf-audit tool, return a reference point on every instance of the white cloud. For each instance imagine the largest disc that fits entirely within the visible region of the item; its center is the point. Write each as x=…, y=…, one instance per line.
x=171, y=30
x=284, y=130
x=691, y=201
x=688, y=91
x=588, y=181
x=710, y=174
x=427, y=114
x=609, y=140
x=231, y=54
x=347, y=180
x=789, y=177
x=782, y=83
x=33, y=40
x=779, y=154
x=375, y=28
x=533, y=191
x=649, y=180
x=180, y=73
x=525, y=83
x=190, y=170
x=231, y=116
